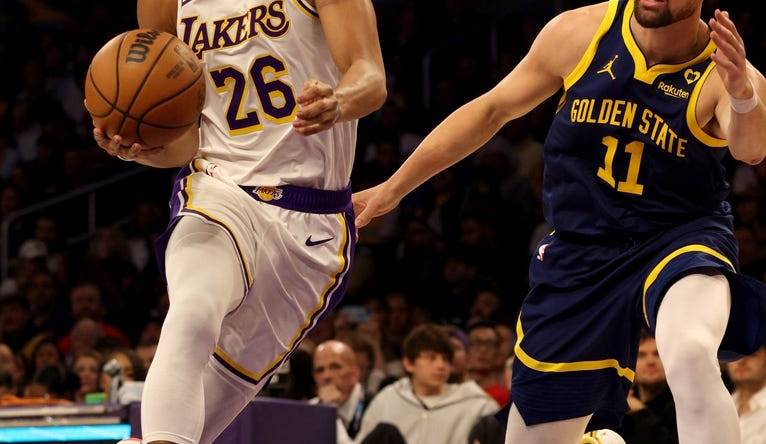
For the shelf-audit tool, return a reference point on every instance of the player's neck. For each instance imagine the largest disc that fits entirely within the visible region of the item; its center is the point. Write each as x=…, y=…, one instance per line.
x=672, y=44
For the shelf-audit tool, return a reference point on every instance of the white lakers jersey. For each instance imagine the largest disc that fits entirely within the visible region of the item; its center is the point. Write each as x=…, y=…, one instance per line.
x=257, y=54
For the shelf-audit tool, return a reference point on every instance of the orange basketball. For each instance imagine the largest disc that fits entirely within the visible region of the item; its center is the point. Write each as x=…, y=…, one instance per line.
x=145, y=85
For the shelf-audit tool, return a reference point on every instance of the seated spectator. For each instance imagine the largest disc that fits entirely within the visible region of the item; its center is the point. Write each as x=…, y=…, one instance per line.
x=423, y=406
x=749, y=377
x=459, y=341
x=42, y=296
x=507, y=342
x=131, y=367
x=486, y=305
x=85, y=302
x=337, y=373
x=652, y=415
x=45, y=354
x=87, y=367
x=483, y=365
x=300, y=376
x=52, y=381
x=369, y=358
x=85, y=336
x=13, y=366
x=16, y=328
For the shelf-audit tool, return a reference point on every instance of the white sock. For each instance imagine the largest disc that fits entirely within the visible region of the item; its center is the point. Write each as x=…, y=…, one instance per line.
x=568, y=431
x=204, y=283
x=691, y=323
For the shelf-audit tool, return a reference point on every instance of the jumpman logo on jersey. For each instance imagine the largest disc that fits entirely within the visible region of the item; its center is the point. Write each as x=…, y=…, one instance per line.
x=608, y=68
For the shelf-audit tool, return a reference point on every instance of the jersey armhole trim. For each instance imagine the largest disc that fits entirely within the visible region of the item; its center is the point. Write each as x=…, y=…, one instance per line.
x=307, y=8
x=590, y=53
x=691, y=114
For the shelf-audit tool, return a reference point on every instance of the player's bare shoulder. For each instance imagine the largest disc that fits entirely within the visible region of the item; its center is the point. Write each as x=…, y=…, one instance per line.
x=565, y=39
x=157, y=14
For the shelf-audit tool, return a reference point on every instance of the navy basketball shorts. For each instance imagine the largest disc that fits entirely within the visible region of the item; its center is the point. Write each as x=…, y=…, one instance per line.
x=579, y=326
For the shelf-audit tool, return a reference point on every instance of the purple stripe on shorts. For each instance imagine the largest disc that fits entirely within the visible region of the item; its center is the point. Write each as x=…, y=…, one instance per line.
x=305, y=200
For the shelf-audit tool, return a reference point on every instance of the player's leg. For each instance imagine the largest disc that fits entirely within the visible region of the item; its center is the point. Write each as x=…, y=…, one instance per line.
x=569, y=431
x=691, y=323
x=225, y=397
x=204, y=283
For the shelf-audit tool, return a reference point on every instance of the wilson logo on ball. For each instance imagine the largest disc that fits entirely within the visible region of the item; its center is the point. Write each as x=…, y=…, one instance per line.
x=140, y=47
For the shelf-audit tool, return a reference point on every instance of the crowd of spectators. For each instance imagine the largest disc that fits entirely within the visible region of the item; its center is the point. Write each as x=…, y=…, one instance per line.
x=454, y=254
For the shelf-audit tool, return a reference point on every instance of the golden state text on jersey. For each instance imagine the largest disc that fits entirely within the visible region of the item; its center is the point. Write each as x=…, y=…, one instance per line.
x=625, y=152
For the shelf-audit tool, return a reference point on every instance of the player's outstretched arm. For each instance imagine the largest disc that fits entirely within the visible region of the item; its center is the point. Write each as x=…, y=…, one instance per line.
x=352, y=36
x=740, y=112
x=553, y=55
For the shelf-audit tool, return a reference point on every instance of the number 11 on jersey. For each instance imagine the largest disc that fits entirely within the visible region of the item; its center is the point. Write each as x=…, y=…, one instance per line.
x=630, y=185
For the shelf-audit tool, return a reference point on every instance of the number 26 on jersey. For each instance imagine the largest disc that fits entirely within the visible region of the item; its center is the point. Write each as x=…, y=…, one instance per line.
x=276, y=97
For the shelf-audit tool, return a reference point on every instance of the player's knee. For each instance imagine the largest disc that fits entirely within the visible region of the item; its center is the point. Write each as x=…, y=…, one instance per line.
x=194, y=323
x=688, y=353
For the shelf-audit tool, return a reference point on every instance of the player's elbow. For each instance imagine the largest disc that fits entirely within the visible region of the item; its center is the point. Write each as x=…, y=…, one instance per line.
x=378, y=91
x=755, y=160
x=754, y=157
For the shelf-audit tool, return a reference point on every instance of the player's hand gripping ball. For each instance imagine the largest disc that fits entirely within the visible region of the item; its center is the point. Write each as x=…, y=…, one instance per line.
x=146, y=86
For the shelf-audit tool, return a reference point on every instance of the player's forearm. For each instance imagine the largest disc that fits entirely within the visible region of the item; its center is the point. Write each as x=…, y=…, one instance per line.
x=747, y=135
x=462, y=133
x=361, y=90
x=175, y=154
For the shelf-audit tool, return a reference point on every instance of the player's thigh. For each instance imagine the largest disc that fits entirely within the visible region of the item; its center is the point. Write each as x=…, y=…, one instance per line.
x=202, y=267
x=301, y=269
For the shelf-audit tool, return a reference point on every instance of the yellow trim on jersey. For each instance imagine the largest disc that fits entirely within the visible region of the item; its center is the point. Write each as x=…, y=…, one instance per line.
x=644, y=73
x=306, y=8
x=691, y=114
x=293, y=342
x=557, y=367
x=190, y=206
x=654, y=274
x=229, y=360
x=590, y=53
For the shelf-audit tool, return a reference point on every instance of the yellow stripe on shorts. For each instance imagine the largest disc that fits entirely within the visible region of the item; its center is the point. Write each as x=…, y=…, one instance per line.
x=558, y=367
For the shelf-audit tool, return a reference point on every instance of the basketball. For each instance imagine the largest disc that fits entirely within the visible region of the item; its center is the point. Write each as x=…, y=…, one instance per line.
x=145, y=85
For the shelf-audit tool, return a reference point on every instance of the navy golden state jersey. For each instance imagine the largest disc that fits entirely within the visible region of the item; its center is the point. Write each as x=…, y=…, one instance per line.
x=625, y=153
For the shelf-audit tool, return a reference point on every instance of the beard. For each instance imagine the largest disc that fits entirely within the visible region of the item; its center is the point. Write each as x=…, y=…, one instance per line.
x=657, y=19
